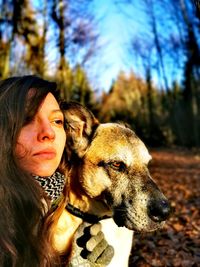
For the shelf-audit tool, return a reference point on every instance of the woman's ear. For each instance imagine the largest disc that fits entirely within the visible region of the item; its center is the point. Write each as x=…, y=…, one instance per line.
x=80, y=124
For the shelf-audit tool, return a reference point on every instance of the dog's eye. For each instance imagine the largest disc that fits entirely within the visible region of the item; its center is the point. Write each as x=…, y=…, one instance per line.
x=117, y=165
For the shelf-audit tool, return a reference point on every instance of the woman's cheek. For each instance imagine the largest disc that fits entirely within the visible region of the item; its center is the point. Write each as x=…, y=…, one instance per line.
x=20, y=151
x=62, y=140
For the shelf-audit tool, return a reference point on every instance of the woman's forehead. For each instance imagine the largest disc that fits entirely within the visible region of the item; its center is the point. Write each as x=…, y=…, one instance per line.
x=49, y=103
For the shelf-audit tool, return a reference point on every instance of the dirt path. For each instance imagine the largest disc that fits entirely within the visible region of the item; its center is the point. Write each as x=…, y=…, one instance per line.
x=177, y=172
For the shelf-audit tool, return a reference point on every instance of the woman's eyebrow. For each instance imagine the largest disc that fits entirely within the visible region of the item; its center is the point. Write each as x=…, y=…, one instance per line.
x=57, y=111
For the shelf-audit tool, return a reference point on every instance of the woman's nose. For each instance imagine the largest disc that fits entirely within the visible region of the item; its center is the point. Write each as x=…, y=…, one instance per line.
x=46, y=132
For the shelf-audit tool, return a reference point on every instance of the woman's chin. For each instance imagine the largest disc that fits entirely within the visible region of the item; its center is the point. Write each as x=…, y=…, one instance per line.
x=44, y=172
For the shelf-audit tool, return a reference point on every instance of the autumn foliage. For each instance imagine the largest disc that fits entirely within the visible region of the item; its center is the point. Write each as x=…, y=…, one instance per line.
x=177, y=173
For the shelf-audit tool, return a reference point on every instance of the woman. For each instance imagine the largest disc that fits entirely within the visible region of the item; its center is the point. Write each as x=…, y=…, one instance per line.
x=32, y=143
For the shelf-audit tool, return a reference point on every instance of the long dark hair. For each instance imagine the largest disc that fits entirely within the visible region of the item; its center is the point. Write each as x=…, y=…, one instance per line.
x=22, y=240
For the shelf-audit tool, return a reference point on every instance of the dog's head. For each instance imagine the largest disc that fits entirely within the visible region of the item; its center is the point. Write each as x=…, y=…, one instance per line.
x=114, y=169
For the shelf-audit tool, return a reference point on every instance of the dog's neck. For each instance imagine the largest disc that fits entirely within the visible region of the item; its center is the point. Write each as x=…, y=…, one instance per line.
x=85, y=216
x=83, y=203
x=80, y=204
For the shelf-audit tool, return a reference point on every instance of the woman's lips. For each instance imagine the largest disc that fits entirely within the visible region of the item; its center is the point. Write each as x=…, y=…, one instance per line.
x=45, y=154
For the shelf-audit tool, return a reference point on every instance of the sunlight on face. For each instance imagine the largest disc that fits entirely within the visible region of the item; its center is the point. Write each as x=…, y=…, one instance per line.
x=41, y=142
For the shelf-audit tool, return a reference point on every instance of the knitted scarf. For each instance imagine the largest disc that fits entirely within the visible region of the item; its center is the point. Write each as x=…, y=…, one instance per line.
x=53, y=185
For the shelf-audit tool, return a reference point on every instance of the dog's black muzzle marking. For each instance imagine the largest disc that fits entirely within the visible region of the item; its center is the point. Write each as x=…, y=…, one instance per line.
x=158, y=210
x=120, y=214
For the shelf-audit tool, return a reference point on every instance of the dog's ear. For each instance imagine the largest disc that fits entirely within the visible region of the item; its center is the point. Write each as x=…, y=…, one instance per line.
x=79, y=124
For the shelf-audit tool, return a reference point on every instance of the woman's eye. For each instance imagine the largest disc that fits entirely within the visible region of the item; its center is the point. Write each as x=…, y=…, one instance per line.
x=59, y=122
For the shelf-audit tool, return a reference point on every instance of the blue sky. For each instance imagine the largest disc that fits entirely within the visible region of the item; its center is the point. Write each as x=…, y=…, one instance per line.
x=117, y=24
x=115, y=27
x=114, y=35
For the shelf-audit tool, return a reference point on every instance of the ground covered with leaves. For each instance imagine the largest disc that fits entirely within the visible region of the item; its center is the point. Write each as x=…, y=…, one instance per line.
x=177, y=172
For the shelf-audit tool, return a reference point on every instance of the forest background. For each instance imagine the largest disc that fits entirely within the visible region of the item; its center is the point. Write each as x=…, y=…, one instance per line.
x=59, y=40
x=158, y=94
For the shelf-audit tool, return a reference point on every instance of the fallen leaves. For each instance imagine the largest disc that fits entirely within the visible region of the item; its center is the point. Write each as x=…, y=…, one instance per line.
x=177, y=172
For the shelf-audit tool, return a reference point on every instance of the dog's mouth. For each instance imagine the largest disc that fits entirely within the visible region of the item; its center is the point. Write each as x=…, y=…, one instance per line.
x=136, y=222
x=141, y=218
x=141, y=213
x=123, y=217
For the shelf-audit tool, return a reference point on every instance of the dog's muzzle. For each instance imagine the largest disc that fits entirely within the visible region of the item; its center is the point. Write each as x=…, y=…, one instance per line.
x=158, y=210
x=147, y=219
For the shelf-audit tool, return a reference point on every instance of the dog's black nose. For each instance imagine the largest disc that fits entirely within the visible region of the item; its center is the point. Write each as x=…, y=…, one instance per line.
x=159, y=210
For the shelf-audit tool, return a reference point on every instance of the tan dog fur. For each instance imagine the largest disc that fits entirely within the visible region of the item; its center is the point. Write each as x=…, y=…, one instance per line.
x=108, y=175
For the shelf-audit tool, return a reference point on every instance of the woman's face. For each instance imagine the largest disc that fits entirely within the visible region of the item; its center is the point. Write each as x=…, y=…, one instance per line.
x=41, y=142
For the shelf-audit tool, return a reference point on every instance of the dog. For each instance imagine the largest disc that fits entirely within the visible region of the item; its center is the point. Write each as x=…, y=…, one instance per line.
x=108, y=180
